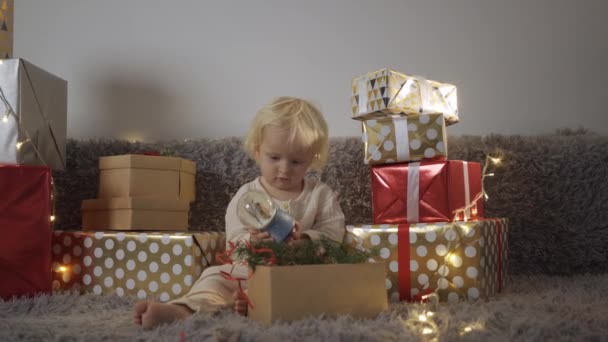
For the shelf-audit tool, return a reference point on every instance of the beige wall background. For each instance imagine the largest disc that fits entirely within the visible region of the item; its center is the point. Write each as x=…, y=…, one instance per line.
x=151, y=69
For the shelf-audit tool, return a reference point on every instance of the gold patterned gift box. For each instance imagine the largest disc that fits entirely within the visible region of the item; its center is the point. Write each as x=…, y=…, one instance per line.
x=382, y=92
x=149, y=265
x=397, y=139
x=459, y=260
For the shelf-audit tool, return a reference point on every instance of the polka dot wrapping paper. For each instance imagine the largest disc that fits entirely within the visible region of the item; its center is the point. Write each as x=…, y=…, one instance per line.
x=426, y=191
x=378, y=93
x=401, y=139
x=150, y=265
x=460, y=260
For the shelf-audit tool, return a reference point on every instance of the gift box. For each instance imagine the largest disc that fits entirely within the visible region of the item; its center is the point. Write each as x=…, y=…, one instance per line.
x=33, y=115
x=289, y=293
x=386, y=91
x=427, y=191
x=135, y=175
x=135, y=213
x=155, y=265
x=400, y=139
x=25, y=230
x=457, y=260
x=6, y=33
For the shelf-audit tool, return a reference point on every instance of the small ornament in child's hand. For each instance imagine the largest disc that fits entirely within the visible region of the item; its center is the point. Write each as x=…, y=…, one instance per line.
x=257, y=210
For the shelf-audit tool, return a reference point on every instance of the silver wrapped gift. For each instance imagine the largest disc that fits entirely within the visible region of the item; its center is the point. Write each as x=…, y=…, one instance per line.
x=33, y=115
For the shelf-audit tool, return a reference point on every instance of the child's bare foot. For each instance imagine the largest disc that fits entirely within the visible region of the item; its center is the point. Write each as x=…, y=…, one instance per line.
x=240, y=303
x=152, y=314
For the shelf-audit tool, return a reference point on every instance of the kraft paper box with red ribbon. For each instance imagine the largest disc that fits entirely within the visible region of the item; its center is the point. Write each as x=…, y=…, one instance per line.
x=427, y=191
x=25, y=230
x=150, y=265
x=457, y=260
x=384, y=92
x=134, y=175
x=398, y=139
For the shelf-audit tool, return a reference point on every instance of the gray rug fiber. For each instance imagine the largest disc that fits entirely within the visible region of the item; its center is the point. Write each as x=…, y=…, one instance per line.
x=533, y=308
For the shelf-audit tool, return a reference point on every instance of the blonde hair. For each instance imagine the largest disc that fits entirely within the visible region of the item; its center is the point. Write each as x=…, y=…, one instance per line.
x=305, y=121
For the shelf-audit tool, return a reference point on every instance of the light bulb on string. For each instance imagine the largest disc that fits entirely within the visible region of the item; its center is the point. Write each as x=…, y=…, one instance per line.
x=19, y=144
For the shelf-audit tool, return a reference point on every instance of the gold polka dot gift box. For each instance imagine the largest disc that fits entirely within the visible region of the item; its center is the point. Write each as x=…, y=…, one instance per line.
x=426, y=191
x=150, y=265
x=401, y=139
x=456, y=260
x=378, y=93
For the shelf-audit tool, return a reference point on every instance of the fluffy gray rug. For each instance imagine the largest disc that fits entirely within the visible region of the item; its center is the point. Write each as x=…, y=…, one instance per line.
x=536, y=308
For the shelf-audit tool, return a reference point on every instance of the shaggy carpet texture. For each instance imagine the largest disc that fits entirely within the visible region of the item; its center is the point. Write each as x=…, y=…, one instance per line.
x=534, y=308
x=552, y=188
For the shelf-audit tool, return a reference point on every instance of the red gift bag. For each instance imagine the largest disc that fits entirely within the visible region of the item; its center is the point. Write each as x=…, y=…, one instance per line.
x=25, y=230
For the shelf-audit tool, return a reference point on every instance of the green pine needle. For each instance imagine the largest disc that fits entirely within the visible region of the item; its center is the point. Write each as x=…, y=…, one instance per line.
x=302, y=252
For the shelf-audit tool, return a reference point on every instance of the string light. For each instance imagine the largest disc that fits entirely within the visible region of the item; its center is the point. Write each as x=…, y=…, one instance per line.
x=10, y=112
x=20, y=143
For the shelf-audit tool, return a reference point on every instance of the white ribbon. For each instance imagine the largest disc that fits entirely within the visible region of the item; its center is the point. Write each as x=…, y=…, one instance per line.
x=362, y=90
x=413, y=191
x=426, y=93
x=402, y=142
x=467, y=194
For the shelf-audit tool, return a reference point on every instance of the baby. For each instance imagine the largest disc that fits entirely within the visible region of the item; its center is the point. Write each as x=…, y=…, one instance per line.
x=287, y=138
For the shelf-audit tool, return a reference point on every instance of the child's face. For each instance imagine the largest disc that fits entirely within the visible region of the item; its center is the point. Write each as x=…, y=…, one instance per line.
x=283, y=166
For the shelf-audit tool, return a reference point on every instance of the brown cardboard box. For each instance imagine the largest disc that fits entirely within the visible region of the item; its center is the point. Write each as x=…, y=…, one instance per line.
x=133, y=175
x=289, y=293
x=135, y=213
x=151, y=265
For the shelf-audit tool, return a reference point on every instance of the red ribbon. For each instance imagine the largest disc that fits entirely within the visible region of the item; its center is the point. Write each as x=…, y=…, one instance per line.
x=403, y=259
x=225, y=258
x=151, y=153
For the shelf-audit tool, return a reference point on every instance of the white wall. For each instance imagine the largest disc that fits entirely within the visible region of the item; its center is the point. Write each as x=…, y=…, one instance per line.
x=187, y=69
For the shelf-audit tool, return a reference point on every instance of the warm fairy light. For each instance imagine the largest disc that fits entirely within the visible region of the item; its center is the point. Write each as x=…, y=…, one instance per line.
x=427, y=331
x=471, y=327
x=62, y=269
x=52, y=218
x=490, y=174
x=495, y=160
x=422, y=318
x=5, y=118
x=430, y=313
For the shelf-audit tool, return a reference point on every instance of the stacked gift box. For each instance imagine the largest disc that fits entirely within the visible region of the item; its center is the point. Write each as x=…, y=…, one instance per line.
x=428, y=219
x=33, y=113
x=135, y=238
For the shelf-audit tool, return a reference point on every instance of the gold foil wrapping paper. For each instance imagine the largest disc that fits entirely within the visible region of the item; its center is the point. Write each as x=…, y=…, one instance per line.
x=386, y=91
x=401, y=139
x=150, y=265
x=459, y=260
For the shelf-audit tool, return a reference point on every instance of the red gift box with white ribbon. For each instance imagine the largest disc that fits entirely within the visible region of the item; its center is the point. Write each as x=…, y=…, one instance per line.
x=427, y=191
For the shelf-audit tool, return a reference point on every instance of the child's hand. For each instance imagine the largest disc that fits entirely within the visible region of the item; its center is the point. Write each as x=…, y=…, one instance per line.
x=256, y=235
x=296, y=234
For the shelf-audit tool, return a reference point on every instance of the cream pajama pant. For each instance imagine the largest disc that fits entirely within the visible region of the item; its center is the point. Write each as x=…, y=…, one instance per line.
x=212, y=292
